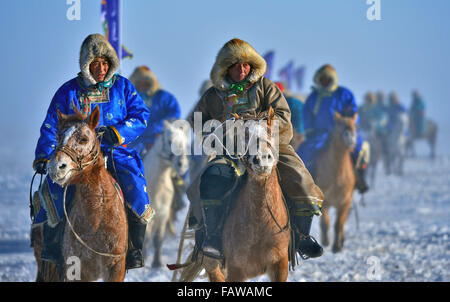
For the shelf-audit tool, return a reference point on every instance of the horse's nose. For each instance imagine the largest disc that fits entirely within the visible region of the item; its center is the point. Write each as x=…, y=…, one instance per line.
x=256, y=160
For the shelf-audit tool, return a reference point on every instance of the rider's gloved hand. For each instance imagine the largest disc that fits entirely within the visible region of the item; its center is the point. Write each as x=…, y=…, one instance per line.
x=40, y=167
x=108, y=135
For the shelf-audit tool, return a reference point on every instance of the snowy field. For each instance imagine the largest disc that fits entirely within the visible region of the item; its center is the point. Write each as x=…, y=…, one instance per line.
x=403, y=231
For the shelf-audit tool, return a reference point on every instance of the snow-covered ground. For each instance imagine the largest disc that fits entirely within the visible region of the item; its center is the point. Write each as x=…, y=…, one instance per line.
x=403, y=231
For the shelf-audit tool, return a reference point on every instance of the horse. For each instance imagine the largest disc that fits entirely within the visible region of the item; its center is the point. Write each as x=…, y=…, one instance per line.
x=430, y=135
x=396, y=144
x=164, y=161
x=96, y=230
x=336, y=177
x=253, y=239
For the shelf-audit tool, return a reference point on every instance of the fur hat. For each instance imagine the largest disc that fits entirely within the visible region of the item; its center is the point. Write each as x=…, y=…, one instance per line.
x=144, y=74
x=328, y=70
x=94, y=46
x=232, y=52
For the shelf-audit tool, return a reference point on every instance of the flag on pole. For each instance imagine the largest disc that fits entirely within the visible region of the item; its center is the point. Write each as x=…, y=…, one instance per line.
x=299, y=76
x=287, y=74
x=268, y=57
x=110, y=10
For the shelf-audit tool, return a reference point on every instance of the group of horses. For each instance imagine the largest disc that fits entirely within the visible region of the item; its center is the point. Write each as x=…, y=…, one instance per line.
x=393, y=146
x=253, y=242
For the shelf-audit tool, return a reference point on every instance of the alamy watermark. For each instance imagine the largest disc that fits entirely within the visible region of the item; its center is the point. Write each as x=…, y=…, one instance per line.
x=74, y=11
x=374, y=11
x=73, y=272
x=233, y=137
x=375, y=270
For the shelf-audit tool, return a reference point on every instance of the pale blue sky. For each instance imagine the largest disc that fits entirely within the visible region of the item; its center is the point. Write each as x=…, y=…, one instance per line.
x=409, y=48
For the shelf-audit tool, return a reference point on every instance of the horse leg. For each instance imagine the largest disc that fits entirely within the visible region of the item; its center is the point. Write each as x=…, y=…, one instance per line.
x=116, y=273
x=213, y=269
x=278, y=272
x=235, y=274
x=157, y=243
x=342, y=215
x=324, y=227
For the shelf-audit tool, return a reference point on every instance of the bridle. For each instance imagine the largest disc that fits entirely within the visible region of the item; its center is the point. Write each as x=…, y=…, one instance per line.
x=81, y=161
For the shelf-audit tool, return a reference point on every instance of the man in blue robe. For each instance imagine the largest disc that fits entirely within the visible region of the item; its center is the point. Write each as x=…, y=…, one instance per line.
x=318, y=113
x=123, y=117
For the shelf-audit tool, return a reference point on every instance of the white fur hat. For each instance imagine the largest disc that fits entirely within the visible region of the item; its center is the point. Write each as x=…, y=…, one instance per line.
x=232, y=52
x=94, y=46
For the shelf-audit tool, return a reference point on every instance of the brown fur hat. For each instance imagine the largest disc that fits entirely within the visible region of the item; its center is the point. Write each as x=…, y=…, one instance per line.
x=94, y=46
x=232, y=52
x=144, y=74
x=328, y=70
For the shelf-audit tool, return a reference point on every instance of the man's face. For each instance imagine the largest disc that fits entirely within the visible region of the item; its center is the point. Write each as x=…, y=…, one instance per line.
x=325, y=80
x=239, y=71
x=99, y=68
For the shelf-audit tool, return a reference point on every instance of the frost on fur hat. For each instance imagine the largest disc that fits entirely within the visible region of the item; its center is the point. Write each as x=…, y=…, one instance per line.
x=328, y=70
x=232, y=52
x=145, y=75
x=94, y=46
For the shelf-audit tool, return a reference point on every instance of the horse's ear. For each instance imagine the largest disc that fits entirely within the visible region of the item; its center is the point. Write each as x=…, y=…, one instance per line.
x=270, y=115
x=337, y=116
x=94, y=118
x=61, y=117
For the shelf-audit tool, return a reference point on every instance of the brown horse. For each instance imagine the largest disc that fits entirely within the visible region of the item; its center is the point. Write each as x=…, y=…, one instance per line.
x=430, y=135
x=335, y=176
x=253, y=239
x=96, y=231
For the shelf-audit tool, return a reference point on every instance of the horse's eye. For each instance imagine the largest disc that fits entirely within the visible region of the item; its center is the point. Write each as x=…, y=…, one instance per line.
x=83, y=141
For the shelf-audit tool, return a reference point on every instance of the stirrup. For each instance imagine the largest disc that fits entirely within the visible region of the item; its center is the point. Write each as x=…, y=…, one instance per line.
x=212, y=253
x=306, y=237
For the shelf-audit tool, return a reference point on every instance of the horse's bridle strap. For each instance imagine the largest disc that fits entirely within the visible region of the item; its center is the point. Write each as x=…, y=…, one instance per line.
x=80, y=160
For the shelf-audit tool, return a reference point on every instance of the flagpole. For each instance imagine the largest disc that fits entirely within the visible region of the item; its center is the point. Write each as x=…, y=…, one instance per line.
x=120, y=37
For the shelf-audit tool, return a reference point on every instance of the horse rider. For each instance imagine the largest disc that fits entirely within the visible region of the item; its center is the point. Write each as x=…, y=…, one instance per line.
x=394, y=110
x=326, y=99
x=238, y=87
x=123, y=117
x=417, y=115
x=162, y=104
x=296, y=107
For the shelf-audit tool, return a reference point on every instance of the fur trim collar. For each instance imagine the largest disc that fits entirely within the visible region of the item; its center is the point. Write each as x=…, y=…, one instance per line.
x=329, y=71
x=232, y=52
x=93, y=46
x=144, y=74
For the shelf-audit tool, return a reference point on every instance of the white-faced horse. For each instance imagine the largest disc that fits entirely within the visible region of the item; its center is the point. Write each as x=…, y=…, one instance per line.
x=165, y=160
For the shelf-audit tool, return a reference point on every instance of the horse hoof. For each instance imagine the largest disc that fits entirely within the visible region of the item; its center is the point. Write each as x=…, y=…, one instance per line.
x=336, y=249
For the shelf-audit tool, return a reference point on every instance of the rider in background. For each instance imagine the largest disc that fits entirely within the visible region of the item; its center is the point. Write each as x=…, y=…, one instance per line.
x=394, y=109
x=162, y=105
x=326, y=99
x=123, y=117
x=417, y=115
x=296, y=107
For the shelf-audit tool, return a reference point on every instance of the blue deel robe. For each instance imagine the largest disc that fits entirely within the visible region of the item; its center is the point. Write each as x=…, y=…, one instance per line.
x=296, y=107
x=318, y=118
x=127, y=114
x=163, y=106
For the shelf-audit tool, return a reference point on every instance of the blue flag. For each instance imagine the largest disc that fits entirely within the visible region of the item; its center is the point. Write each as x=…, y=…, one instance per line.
x=299, y=75
x=287, y=74
x=110, y=10
x=268, y=57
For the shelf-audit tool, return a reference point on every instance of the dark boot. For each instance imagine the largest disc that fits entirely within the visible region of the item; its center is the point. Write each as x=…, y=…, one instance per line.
x=136, y=236
x=212, y=244
x=361, y=184
x=305, y=244
x=51, y=250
